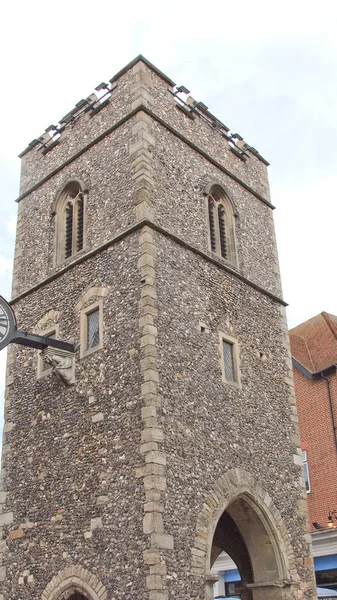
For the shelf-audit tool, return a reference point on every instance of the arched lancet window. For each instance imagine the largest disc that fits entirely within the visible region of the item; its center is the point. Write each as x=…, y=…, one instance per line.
x=70, y=221
x=221, y=222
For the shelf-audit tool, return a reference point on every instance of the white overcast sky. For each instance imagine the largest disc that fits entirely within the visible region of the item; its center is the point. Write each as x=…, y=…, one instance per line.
x=266, y=69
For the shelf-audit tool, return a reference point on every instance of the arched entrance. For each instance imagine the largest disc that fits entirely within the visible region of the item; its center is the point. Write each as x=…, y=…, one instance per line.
x=243, y=532
x=74, y=583
x=239, y=517
x=70, y=594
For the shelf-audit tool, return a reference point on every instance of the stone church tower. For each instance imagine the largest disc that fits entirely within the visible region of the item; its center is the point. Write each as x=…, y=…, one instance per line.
x=145, y=234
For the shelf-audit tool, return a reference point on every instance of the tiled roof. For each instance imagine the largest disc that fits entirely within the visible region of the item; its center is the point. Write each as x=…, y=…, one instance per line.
x=314, y=343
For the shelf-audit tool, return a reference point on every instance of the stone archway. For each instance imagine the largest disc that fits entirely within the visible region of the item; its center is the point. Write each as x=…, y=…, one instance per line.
x=240, y=518
x=227, y=538
x=75, y=583
x=245, y=535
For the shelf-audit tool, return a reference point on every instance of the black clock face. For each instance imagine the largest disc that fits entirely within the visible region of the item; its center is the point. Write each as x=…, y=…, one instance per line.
x=7, y=323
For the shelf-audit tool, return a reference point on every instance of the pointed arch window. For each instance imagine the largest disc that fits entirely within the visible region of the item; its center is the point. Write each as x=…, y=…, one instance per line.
x=221, y=223
x=70, y=221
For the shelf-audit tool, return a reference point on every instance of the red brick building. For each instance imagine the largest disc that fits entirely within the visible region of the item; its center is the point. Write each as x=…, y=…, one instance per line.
x=314, y=351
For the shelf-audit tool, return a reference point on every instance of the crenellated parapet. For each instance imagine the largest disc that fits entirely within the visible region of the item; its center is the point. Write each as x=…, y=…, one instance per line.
x=109, y=106
x=91, y=105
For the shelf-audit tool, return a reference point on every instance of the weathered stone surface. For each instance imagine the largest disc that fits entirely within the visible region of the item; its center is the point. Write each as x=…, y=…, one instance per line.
x=154, y=582
x=152, y=434
x=153, y=522
x=15, y=534
x=97, y=417
x=158, y=595
x=162, y=540
x=151, y=557
x=155, y=457
x=130, y=466
x=96, y=523
x=6, y=519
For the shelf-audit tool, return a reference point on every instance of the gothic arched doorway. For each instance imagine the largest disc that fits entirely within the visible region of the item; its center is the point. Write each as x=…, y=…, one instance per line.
x=75, y=583
x=71, y=595
x=244, y=533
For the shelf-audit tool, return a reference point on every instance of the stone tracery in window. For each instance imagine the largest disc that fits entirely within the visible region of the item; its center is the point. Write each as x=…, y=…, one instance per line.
x=221, y=222
x=70, y=221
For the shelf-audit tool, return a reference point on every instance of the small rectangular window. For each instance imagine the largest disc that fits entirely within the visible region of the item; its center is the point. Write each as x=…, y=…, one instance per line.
x=229, y=351
x=228, y=361
x=91, y=329
x=306, y=471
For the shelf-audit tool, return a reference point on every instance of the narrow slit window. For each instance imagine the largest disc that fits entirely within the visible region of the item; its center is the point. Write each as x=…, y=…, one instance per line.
x=69, y=230
x=306, y=471
x=222, y=231
x=228, y=361
x=93, y=329
x=211, y=217
x=80, y=223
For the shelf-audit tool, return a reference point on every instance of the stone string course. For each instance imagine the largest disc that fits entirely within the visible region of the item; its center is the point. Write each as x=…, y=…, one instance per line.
x=113, y=486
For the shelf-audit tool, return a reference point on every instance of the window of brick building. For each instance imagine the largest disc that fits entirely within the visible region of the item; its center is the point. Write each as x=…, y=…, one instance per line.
x=306, y=470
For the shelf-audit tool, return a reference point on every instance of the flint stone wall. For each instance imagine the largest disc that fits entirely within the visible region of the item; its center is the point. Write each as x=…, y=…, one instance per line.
x=211, y=427
x=112, y=473
x=36, y=166
x=178, y=199
x=180, y=207
x=74, y=451
x=105, y=170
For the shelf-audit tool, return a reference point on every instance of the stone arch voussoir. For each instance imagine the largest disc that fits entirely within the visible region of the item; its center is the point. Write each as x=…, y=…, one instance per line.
x=74, y=579
x=94, y=292
x=84, y=183
x=236, y=484
x=228, y=193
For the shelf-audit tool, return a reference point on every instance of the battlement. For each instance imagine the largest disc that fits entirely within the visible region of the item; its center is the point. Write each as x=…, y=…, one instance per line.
x=103, y=95
x=91, y=105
